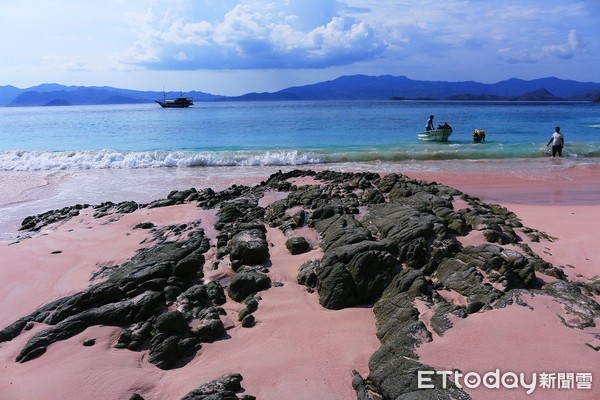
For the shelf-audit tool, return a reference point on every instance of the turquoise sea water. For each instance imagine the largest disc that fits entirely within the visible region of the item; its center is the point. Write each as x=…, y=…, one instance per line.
x=285, y=133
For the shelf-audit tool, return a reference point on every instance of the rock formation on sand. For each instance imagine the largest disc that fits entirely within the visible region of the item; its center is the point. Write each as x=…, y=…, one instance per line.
x=388, y=242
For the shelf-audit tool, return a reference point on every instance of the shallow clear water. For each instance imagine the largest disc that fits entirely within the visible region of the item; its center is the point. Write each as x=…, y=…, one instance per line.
x=284, y=133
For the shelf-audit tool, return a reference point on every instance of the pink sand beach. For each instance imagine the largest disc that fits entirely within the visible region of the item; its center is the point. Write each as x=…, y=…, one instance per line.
x=517, y=339
x=298, y=349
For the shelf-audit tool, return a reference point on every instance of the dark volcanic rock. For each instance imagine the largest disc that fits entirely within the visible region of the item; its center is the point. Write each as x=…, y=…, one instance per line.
x=421, y=238
x=297, y=245
x=393, y=368
x=307, y=274
x=248, y=247
x=109, y=207
x=246, y=282
x=224, y=388
x=36, y=222
x=134, y=294
x=212, y=327
x=216, y=293
x=144, y=225
x=389, y=241
x=248, y=321
x=354, y=274
x=239, y=210
x=124, y=312
x=251, y=306
x=173, y=322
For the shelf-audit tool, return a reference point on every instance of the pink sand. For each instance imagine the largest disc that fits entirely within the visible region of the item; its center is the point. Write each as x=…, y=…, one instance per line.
x=566, y=206
x=516, y=339
x=297, y=350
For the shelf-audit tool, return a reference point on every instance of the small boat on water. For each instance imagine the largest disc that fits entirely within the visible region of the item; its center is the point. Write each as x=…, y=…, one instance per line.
x=179, y=102
x=436, y=135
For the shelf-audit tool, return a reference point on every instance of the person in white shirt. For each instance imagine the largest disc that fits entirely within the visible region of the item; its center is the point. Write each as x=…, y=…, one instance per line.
x=558, y=141
x=429, y=126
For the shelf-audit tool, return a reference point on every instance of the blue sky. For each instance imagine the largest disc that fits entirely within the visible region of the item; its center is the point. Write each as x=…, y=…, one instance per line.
x=233, y=47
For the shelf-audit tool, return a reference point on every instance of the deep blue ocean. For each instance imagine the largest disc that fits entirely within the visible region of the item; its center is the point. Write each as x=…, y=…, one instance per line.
x=285, y=133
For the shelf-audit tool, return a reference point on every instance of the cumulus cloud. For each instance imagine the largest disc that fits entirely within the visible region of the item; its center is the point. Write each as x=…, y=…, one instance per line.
x=566, y=50
x=257, y=34
x=513, y=56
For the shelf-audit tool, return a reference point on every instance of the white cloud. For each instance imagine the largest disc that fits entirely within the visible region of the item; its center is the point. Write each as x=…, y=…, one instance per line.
x=512, y=56
x=566, y=50
x=257, y=34
x=296, y=40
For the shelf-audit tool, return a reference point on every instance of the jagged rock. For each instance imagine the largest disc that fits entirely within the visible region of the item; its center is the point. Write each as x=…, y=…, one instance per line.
x=299, y=218
x=172, y=321
x=251, y=306
x=440, y=321
x=171, y=340
x=114, y=314
x=307, y=273
x=393, y=367
x=239, y=210
x=181, y=196
x=387, y=183
x=297, y=245
x=372, y=196
x=134, y=294
x=196, y=296
x=576, y=303
x=410, y=230
x=36, y=222
x=403, y=248
x=248, y=247
x=224, y=388
x=360, y=387
x=162, y=203
x=216, y=293
x=144, y=225
x=167, y=349
x=210, y=329
x=354, y=274
x=189, y=265
x=338, y=229
x=246, y=282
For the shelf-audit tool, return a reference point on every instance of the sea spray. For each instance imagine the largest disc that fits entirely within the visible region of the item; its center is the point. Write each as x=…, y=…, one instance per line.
x=111, y=159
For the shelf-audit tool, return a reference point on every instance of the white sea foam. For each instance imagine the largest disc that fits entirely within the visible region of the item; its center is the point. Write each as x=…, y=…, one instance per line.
x=103, y=159
x=13, y=160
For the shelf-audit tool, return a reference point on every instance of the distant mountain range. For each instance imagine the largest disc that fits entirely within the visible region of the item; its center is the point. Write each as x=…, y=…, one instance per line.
x=354, y=87
x=52, y=94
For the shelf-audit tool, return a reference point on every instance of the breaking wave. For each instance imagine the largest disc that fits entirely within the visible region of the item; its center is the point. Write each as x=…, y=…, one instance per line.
x=103, y=159
x=13, y=160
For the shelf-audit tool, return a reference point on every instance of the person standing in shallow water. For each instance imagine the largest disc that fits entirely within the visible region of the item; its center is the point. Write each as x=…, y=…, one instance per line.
x=558, y=141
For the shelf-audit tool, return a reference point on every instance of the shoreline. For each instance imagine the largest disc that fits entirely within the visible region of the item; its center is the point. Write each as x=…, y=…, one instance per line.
x=564, y=206
x=520, y=181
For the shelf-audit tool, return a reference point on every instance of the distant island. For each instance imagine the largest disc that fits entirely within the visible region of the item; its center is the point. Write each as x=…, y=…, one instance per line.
x=352, y=87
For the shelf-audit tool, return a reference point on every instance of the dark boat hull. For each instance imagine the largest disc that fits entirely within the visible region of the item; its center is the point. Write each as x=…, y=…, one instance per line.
x=182, y=102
